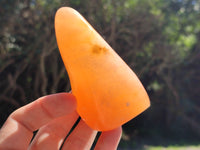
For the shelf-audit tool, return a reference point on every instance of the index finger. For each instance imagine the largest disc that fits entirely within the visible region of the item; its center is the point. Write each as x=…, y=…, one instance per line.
x=21, y=123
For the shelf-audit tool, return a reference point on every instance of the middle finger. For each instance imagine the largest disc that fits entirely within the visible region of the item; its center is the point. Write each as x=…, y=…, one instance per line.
x=81, y=138
x=51, y=136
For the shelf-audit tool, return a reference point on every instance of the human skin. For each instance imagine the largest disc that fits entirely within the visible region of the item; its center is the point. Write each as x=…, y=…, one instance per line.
x=53, y=116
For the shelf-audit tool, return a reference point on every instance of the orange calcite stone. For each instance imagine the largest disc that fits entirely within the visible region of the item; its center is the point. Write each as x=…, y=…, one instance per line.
x=108, y=92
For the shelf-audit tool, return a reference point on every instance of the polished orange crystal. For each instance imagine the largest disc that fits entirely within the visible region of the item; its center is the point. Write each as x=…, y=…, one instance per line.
x=108, y=92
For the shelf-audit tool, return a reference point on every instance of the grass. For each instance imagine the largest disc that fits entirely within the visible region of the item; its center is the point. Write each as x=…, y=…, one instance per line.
x=158, y=144
x=147, y=147
x=195, y=147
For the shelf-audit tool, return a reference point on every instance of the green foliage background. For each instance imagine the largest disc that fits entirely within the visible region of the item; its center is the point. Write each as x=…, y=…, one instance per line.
x=158, y=39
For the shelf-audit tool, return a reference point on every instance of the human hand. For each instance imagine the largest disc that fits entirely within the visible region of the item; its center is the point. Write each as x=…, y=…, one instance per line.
x=53, y=116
